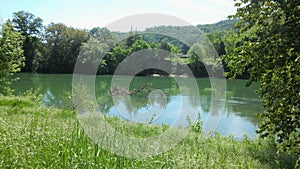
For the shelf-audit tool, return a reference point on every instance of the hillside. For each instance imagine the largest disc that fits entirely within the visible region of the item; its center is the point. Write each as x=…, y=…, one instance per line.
x=219, y=26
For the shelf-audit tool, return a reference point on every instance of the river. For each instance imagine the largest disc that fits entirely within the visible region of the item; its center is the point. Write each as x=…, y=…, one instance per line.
x=162, y=95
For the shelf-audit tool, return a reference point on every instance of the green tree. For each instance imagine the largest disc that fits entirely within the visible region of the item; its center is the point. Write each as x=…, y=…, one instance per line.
x=11, y=56
x=195, y=60
x=164, y=44
x=63, y=47
x=30, y=27
x=139, y=45
x=203, y=58
x=117, y=54
x=231, y=41
x=132, y=37
x=97, y=51
x=217, y=39
x=270, y=52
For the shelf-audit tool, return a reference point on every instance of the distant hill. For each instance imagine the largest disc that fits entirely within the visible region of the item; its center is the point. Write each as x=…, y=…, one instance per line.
x=186, y=33
x=219, y=26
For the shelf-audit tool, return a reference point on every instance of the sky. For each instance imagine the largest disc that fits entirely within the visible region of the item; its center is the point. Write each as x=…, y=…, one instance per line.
x=86, y=14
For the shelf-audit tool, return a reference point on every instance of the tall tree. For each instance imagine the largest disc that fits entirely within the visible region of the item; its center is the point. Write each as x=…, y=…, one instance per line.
x=95, y=52
x=11, y=56
x=63, y=47
x=30, y=27
x=270, y=52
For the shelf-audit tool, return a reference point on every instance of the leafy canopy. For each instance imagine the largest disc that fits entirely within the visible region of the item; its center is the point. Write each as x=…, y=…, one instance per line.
x=270, y=51
x=11, y=56
x=31, y=28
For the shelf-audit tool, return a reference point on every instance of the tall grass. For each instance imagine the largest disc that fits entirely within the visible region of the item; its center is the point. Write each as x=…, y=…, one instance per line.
x=37, y=137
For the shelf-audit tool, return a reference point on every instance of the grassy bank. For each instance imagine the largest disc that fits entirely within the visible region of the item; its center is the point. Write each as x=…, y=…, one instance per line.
x=32, y=136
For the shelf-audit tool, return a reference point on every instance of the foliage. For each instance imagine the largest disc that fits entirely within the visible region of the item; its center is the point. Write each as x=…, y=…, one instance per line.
x=203, y=58
x=139, y=45
x=132, y=37
x=197, y=125
x=55, y=48
x=270, y=51
x=195, y=61
x=63, y=46
x=11, y=56
x=95, y=52
x=221, y=26
x=164, y=44
x=104, y=49
x=30, y=27
x=216, y=39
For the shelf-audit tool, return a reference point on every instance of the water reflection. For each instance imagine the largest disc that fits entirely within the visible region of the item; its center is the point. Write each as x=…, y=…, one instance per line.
x=241, y=103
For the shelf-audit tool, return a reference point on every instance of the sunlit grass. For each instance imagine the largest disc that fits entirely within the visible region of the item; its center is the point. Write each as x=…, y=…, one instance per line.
x=36, y=137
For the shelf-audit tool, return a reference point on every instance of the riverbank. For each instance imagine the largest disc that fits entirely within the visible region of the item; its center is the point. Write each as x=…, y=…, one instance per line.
x=38, y=137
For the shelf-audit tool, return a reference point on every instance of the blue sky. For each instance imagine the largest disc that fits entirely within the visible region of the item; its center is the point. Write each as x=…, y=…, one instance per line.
x=93, y=13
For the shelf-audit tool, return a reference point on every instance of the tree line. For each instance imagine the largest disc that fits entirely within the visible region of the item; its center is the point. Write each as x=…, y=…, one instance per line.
x=56, y=47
